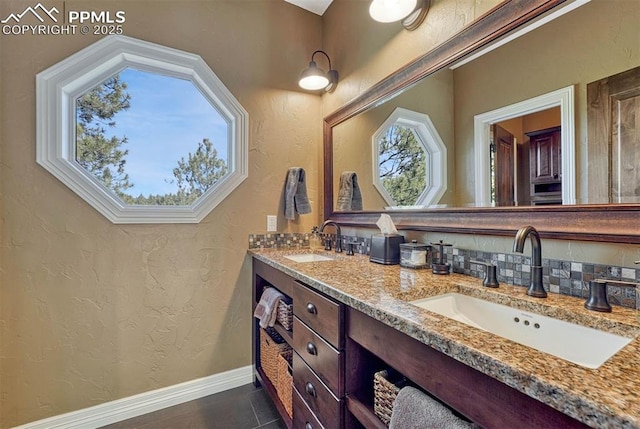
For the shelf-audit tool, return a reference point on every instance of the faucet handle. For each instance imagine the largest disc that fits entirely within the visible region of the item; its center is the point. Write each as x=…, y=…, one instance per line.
x=350, y=249
x=490, y=276
x=597, y=300
x=327, y=244
x=338, y=244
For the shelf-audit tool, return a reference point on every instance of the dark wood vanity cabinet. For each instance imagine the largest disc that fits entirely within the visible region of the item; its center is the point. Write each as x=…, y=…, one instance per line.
x=545, y=166
x=317, y=340
x=337, y=350
x=372, y=345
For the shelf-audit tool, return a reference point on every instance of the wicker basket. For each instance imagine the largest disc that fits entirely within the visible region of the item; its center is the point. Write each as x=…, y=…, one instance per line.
x=272, y=345
x=386, y=385
x=284, y=385
x=285, y=314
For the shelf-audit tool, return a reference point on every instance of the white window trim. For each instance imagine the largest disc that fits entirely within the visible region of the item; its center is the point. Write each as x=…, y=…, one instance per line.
x=563, y=98
x=436, y=159
x=57, y=88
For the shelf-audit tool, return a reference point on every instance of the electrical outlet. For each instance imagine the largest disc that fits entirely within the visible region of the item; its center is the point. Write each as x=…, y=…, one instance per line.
x=272, y=223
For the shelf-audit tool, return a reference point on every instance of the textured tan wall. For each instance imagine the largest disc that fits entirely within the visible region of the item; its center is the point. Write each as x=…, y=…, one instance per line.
x=366, y=51
x=90, y=311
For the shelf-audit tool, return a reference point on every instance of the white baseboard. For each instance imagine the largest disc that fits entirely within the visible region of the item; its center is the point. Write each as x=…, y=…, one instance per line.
x=143, y=403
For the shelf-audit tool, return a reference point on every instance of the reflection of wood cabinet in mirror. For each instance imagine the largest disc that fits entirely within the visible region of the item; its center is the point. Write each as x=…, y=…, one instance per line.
x=611, y=49
x=545, y=166
x=614, y=132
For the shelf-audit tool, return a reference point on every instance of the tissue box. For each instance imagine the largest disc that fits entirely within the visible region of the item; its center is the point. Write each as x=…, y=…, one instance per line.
x=385, y=248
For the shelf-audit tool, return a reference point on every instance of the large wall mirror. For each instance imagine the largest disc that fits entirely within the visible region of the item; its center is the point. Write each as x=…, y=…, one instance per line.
x=534, y=88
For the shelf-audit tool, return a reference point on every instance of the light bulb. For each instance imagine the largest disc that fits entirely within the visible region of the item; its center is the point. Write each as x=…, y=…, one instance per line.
x=391, y=10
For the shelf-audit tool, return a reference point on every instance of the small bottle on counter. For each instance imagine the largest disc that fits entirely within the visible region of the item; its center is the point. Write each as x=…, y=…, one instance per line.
x=414, y=255
x=315, y=241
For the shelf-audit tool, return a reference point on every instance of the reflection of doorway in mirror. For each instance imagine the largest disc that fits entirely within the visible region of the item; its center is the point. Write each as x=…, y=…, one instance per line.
x=560, y=105
x=521, y=157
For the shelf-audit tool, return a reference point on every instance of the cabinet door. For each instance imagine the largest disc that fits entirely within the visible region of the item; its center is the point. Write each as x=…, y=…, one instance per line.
x=613, y=138
x=545, y=157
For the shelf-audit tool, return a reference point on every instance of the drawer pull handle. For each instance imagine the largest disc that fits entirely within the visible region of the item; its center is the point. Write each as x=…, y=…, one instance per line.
x=308, y=426
x=311, y=308
x=310, y=389
x=311, y=349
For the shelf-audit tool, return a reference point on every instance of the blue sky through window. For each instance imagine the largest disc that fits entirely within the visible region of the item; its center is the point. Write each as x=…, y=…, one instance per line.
x=167, y=119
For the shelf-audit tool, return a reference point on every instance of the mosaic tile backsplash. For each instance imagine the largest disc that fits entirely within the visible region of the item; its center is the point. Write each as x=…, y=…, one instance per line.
x=564, y=277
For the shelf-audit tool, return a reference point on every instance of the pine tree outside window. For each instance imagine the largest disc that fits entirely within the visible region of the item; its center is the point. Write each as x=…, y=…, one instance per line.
x=409, y=168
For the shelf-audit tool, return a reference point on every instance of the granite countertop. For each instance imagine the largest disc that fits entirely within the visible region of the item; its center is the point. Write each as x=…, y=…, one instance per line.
x=606, y=397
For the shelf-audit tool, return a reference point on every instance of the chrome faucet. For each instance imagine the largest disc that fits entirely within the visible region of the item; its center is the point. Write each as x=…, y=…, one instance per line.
x=338, y=236
x=535, y=288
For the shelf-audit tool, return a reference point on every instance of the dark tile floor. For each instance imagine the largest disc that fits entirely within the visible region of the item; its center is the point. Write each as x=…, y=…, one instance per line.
x=245, y=407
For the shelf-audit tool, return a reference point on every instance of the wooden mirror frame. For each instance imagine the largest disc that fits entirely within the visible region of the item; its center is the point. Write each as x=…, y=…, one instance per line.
x=615, y=223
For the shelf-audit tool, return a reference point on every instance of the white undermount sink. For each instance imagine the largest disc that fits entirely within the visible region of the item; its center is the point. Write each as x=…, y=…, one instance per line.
x=584, y=346
x=308, y=257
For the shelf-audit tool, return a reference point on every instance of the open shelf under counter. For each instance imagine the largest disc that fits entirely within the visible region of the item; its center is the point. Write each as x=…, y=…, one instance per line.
x=271, y=390
x=286, y=334
x=362, y=410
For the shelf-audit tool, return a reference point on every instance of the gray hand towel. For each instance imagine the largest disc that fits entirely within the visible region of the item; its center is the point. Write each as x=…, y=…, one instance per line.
x=349, y=195
x=414, y=409
x=295, y=194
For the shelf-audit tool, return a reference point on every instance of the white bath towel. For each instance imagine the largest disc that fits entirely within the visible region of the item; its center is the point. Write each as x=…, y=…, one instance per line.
x=414, y=409
x=295, y=194
x=267, y=308
x=349, y=195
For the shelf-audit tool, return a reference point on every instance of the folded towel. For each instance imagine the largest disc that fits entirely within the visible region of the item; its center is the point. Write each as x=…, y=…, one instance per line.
x=349, y=195
x=414, y=409
x=267, y=308
x=295, y=194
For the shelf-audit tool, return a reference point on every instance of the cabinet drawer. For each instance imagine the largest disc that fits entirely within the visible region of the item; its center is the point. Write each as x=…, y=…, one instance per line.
x=319, y=355
x=317, y=396
x=320, y=313
x=303, y=418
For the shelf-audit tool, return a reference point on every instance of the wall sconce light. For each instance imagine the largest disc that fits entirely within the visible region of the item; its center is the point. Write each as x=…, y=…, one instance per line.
x=314, y=78
x=411, y=12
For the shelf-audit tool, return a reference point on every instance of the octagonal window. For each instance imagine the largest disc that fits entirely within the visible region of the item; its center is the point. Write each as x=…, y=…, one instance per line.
x=409, y=167
x=148, y=134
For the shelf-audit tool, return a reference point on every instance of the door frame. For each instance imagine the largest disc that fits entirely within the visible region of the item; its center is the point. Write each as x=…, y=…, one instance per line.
x=563, y=98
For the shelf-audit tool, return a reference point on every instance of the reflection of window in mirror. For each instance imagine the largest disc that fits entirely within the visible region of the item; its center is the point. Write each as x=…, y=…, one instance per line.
x=151, y=146
x=409, y=168
x=402, y=164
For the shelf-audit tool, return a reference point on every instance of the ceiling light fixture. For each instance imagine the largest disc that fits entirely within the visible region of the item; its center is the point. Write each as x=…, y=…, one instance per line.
x=314, y=78
x=411, y=12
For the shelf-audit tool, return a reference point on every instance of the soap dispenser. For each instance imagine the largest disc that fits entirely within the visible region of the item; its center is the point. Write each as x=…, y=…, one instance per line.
x=315, y=241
